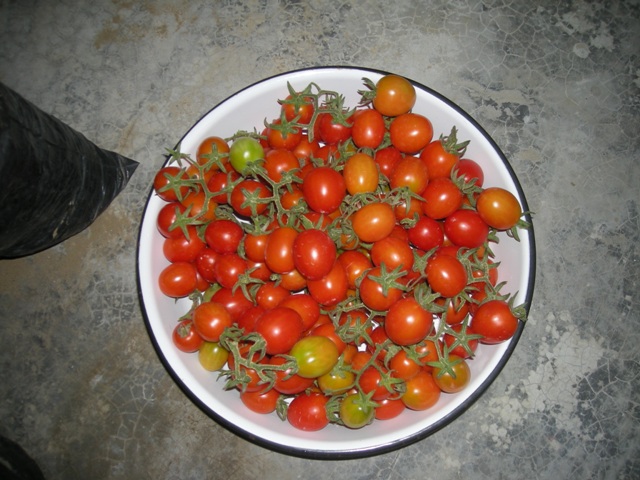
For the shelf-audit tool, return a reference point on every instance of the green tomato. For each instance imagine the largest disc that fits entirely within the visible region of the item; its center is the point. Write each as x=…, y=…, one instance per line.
x=315, y=355
x=212, y=356
x=355, y=411
x=244, y=151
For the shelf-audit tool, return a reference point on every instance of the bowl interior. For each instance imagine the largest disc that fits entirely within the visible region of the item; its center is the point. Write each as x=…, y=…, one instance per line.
x=246, y=110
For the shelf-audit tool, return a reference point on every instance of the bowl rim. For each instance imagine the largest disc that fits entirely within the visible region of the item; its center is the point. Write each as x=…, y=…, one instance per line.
x=441, y=422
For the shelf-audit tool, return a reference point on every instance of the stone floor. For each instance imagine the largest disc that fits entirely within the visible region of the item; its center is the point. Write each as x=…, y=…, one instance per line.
x=557, y=85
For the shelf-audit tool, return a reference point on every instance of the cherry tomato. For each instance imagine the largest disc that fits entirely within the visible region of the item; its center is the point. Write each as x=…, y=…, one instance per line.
x=457, y=347
x=212, y=356
x=218, y=184
x=422, y=392
x=278, y=161
x=182, y=248
x=355, y=264
x=330, y=289
x=270, y=295
x=441, y=198
x=308, y=412
x=314, y=254
x=438, y=160
x=465, y=228
x=368, y=128
x=355, y=411
x=298, y=107
x=495, y=321
x=305, y=305
x=199, y=206
x=455, y=380
x=279, y=250
x=446, y=275
x=499, y=208
x=389, y=408
x=166, y=186
x=228, y=269
x=387, y=158
x=288, y=382
x=407, y=323
x=286, y=137
x=245, y=151
x=167, y=217
x=394, y=96
x=178, y=279
x=410, y=172
x=213, y=146
x=281, y=327
x=324, y=189
x=315, y=355
x=393, y=252
x=426, y=234
x=223, y=236
x=186, y=338
x=234, y=301
x=372, y=292
x=240, y=195
x=210, y=319
x=373, y=222
x=331, y=131
x=360, y=174
x=402, y=366
x=410, y=132
x=337, y=381
x=260, y=402
x=470, y=170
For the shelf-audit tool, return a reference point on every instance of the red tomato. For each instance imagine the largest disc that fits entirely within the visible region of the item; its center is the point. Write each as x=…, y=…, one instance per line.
x=441, y=198
x=465, y=228
x=166, y=184
x=314, y=254
x=228, y=269
x=387, y=158
x=293, y=281
x=368, y=129
x=410, y=172
x=218, y=184
x=422, y=392
x=372, y=292
x=166, y=218
x=470, y=170
x=255, y=246
x=281, y=327
x=332, y=132
x=373, y=222
x=439, y=160
x=181, y=248
x=495, y=321
x=288, y=382
x=210, y=319
x=371, y=380
x=213, y=147
x=330, y=289
x=178, y=279
x=279, y=250
x=393, y=252
x=305, y=305
x=329, y=330
x=247, y=321
x=270, y=295
x=186, y=338
x=308, y=412
x=260, y=402
x=278, y=161
x=455, y=380
x=499, y=208
x=223, y=236
x=407, y=323
x=426, y=234
x=389, y=408
x=234, y=301
x=355, y=263
x=324, y=189
x=360, y=174
x=205, y=264
x=446, y=275
x=394, y=95
x=239, y=196
x=199, y=206
x=410, y=132
x=283, y=136
x=298, y=108
x=456, y=310
x=402, y=366
x=306, y=149
x=463, y=348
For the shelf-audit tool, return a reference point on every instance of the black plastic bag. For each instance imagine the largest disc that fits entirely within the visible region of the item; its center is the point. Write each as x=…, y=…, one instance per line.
x=54, y=181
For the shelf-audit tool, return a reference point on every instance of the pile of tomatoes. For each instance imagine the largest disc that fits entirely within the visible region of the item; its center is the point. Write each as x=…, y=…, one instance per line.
x=339, y=260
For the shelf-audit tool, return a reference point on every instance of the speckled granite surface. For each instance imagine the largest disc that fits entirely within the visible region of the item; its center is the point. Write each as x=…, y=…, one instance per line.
x=557, y=84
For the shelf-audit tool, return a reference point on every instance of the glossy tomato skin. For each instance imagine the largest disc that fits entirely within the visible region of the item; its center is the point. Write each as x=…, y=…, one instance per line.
x=470, y=170
x=372, y=293
x=181, y=248
x=261, y=402
x=324, y=189
x=465, y=228
x=205, y=264
x=279, y=250
x=315, y=355
x=360, y=174
x=410, y=172
x=395, y=95
x=387, y=158
x=373, y=222
x=228, y=269
x=389, y=408
x=455, y=381
x=163, y=181
x=438, y=160
x=279, y=161
x=499, y=208
x=210, y=319
x=244, y=151
x=238, y=199
x=314, y=254
x=186, y=338
x=393, y=252
x=166, y=218
x=178, y=279
x=234, y=301
x=441, y=198
x=354, y=413
x=410, y=132
x=426, y=234
x=298, y=107
x=213, y=146
x=270, y=295
x=279, y=139
x=446, y=275
x=455, y=347
x=330, y=289
x=212, y=356
x=355, y=264
x=332, y=132
x=368, y=128
x=223, y=236
x=422, y=392
x=305, y=305
x=407, y=323
x=308, y=412
x=495, y=321
x=281, y=327
x=288, y=382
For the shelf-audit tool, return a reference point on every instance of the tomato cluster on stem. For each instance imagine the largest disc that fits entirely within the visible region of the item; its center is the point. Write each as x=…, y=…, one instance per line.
x=339, y=262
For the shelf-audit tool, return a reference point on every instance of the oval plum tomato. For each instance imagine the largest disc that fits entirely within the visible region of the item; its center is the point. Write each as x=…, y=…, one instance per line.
x=286, y=381
x=283, y=136
x=205, y=264
x=315, y=355
x=372, y=292
x=360, y=174
x=308, y=412
x=407, y=323
x=246, y=193
x=281, y=328
x=255, y=246
x=245, y=151
x=470, y=170
x=212, y=356
x=410, y=132
x=422, y=392
x=213, y=147
x=373, y=222
x=261, y=401
x=457, y=345
x=234, y=301
x=455, y=378
x=223, y=236
x=393, y=252
x=387, y=158
x=314, y=254
x=495, y=321
x=499, y=208
x=166, y=220
x=394, y=95
x=210, y=319
x=228, y=269
x=465, y=228
x=167, y=186
x=368, y=129
x=426, y=234
x=293, y=281
x=279, y=250
x=178, y=279
x=186, y=338
x=389, y=408
x=331, y=131
x=337, y=381
x=270, y=295
x=355, y=411
x=441, y=198
x=182, y=248
x=355, y=263
x=324, y=189
x=278, y=161
x=410, y=172
x=446, y=275
x=330, y=289
x=305, y=305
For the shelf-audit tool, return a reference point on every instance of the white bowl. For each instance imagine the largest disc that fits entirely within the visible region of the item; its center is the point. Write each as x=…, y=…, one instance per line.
x=245, y=110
